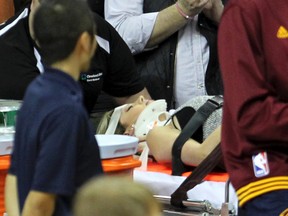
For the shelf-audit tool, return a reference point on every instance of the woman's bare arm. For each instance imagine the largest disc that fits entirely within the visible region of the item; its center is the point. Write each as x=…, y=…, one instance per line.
x=160, y=141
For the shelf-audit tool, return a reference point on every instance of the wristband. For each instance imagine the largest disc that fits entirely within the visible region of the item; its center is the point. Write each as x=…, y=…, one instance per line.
x=182, y=13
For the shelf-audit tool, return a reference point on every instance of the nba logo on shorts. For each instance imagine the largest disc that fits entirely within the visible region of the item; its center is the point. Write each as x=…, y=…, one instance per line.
x=260, y=164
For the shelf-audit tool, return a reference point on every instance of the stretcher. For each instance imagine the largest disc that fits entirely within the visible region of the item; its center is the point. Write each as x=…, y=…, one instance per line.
x=213, y=196
x=194, y=206
x=193, y=193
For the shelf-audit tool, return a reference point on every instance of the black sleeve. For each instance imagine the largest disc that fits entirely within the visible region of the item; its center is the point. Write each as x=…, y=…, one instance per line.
x=115, y=65
x=20, y=4
x=122, y=78
x=97, y=6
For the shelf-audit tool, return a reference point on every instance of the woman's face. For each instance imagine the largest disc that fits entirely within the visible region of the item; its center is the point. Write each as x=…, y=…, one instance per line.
x=131, y=112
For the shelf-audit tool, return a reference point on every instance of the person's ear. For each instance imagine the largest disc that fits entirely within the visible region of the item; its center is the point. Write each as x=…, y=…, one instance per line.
x=85, y=48
x=85, y=42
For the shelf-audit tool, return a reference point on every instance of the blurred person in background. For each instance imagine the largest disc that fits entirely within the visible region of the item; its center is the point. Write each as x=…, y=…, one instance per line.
x=174, y=44
x=111, y=80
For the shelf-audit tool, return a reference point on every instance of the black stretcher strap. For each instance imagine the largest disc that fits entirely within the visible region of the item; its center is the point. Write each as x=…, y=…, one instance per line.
x=196, y=177
x=182, y=119
x=196, y=121
x=207, y=165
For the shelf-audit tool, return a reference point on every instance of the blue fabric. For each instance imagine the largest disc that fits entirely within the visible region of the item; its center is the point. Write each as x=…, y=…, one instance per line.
x=269, y=204
x=55, y=148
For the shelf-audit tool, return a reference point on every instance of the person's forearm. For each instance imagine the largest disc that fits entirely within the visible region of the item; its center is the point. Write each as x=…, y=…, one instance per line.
x=11, y=197
x=132, y=98
x=36, y=212
x=39, y=204
x=171, y=19
x=167, y=23
x=135, y=27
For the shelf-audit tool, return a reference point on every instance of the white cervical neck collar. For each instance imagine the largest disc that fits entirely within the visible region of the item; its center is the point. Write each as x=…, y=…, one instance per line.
x=150, y=117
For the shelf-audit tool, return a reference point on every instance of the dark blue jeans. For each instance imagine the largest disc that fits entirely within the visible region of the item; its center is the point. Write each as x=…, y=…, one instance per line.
x=270, y=204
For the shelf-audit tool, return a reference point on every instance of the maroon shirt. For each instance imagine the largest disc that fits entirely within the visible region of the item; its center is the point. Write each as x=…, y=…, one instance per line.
x=253, y=52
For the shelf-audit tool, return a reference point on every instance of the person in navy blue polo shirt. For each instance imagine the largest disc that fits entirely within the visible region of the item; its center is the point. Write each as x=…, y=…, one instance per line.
x=55, y=150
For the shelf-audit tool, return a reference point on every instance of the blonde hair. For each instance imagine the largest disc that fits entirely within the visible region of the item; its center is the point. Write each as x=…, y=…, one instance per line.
x=104, y=123
x=115, y=196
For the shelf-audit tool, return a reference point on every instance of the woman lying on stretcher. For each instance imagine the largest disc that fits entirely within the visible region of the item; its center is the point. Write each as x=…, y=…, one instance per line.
x=150, y=121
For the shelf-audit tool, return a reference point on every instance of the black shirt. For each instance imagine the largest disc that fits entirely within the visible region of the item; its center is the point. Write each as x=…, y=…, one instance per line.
x=112, y=68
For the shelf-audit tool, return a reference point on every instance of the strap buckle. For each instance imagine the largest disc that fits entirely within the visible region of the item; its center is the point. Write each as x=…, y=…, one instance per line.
x=217, y=101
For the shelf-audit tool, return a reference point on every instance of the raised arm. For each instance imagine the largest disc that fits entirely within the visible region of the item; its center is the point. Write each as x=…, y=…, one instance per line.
x=146, y=30
x=172, y=18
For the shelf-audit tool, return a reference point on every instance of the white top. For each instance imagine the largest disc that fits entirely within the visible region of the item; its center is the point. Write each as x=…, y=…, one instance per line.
x=192, y=53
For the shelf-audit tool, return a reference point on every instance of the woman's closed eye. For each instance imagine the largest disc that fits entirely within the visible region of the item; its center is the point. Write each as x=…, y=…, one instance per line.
x=129, y=107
